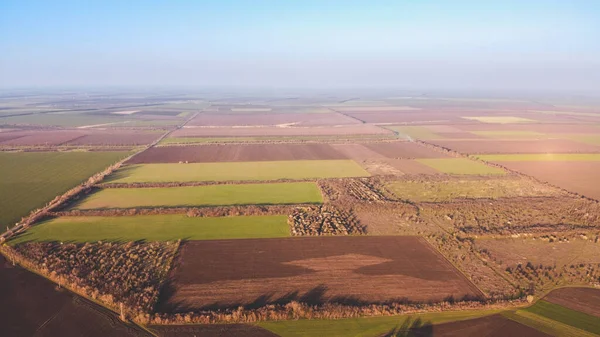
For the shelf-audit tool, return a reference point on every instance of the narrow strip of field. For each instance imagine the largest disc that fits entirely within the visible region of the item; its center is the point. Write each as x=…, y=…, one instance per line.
x=567, y=316
x=368, y=326
x=244, y=171
x=211, y=195
x=461, y=166
x=155, y=228
x=500, y=119
x=541, y=157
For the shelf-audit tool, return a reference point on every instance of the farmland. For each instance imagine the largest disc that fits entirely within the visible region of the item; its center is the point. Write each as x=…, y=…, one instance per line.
x=586, y=300
x=29, y=180
x=460, y=166
x=211, y=195
x=267, y=170
x=155, y=228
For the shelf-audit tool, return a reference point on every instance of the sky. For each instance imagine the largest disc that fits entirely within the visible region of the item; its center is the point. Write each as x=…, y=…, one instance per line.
x=532, y=44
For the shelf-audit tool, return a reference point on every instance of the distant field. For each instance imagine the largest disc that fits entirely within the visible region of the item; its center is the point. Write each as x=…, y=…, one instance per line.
x=155, y=228
x=567, y=316
x=203, y=140
x=541, y=157
x=211, y=195
x=439, y=191
x=415, y=132
x=500, y=119
x=366, y=326
x=268, y=170
x=460, y=166
x=31, y=179
x=66, y=119
x=511, y=134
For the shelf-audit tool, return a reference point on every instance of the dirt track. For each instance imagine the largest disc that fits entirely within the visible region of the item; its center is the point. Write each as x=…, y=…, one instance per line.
x=237, y=153
x=310, y=269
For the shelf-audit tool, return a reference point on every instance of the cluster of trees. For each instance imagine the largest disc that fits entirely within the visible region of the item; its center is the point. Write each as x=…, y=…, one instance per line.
x=324, y=220
x=538, y=276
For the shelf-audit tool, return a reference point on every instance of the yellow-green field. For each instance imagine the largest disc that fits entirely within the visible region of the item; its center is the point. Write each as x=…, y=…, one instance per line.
x=541, y=157
x=155, y=228
x=211, y=195
x=460, y=166
x=244, y=171
x=500, y=119
x=415, y=132
x=510, y=134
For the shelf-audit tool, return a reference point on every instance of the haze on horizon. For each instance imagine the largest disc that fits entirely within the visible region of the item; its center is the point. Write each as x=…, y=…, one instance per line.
x=536, y=44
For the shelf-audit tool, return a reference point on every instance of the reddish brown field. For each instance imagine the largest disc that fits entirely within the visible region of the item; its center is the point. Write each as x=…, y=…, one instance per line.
x=579, y=177
x=349, y=269
x=517, y=146
x=250, y=119
x=358, y=129
x=38, y=137
x=404, y=150
x=125, y=137
x=31, y=306
x=211, y=330
x=489, y=326
x=580, y=299
x=236, y=153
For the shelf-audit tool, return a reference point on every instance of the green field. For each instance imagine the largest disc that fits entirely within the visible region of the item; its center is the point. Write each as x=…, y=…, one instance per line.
x=366, y=326
x=541, y=157
x=439, y=191
x=31, y=179
x=461, y=166
x=156, y=228
x=500, y=119
x=211, y=195
x=415, y=132
x=249, y=171
x=546, y=325
x=510, y=134
x=567, y=316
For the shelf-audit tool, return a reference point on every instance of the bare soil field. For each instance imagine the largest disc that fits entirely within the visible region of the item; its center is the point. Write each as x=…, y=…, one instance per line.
x=586, y=300
x=579, y=177
x=413, y=117
x=236, y=153
x=346, y=130
x=404, y=150
x=349, y=269
x=489, y=326
x=116, y=137
x=211, y=330
x=517, y=146
x=255, y=119
x=32, y=306
x=38, y=137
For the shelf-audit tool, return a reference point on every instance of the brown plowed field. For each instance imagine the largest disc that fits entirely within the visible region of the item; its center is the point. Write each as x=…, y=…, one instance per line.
x=404, y=150
x=580, y=299
x=116, y=138
x=358, y=129
x=250, y=119
x=489, y=326
x=349, y=269
x=517, y=146
x=211, y=330
x=37, y=137
x=31, y=306
x=576, y=176
x=236, y=153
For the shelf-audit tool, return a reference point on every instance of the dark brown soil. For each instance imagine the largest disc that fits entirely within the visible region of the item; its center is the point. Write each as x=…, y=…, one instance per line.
x=236, y=153
x=490, y=326
x=211, y=330
x=351, y=269
x=586, y=300
x=32, y=305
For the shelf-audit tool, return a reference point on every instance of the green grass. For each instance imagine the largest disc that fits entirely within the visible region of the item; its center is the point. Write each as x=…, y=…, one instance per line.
x=461, y=166
x=155, y=228
x=211, y=195
x=415, y=132
x=546, y=325
x=500, y=119
x=31, y=179
x=510, y=134
x=567, y=316
x=541, y=157
x=439, y=191
x=366, y=326
x=250, y=171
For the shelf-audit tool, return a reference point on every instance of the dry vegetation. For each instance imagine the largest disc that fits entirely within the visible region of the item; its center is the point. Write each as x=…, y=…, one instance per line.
x=324, y=220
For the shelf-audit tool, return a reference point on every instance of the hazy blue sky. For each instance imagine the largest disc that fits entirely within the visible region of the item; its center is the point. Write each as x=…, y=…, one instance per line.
x=305, y=43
